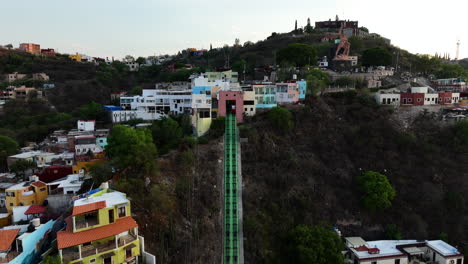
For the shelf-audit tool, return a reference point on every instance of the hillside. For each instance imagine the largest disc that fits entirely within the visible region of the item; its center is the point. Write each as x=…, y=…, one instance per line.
x=309, y=175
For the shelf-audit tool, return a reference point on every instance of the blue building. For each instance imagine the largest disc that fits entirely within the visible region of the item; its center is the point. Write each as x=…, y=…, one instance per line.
x=302, y=89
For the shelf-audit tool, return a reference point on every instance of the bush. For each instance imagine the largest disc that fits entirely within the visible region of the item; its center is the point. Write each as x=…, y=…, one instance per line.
x=313, y=244
x=377, y=192
x=281, y=118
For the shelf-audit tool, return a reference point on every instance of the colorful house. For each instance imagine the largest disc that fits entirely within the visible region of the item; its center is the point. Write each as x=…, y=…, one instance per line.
x=265, y=95
x=231, y=102
x=76, y=57
x=19, y=247
x=100, y=230
x=302, y=89
x=26, y=193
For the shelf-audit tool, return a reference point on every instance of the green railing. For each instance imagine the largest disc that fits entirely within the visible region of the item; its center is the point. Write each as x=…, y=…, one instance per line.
x=231, y=221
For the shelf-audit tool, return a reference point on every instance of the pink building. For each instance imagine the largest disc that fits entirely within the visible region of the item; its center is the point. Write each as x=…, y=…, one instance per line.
x=233, y=102
x=30, y=47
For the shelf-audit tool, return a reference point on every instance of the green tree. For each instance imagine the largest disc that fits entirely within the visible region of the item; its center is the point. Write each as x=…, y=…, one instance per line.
x=317, y=80
x=239, y=66
x=92, y=111
x=281, y=118
x=20, y=167
x=8, y=147
x=100, y=172
x=376, y=57
x=308, y=28
x=141, y=60
x=313, y=244
x=392, y=232
x=357, y=45
x=132, y=149
x=364, y=29
x=136, y=90
x=377, y=192
x=167, y=134
x=298, y=54
x=446, y=71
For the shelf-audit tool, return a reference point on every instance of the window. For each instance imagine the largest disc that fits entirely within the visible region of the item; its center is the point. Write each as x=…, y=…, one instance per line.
x=122, y=211
x=397, y=261
x=374, y=262
x=92, y=260
x=419, y=99
x=42, y=189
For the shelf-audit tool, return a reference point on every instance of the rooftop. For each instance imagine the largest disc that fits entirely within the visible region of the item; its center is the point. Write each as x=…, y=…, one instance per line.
x=7, y=237
x=111, y=198
x=81, y=209
x=35, y=209
x=31, y=154
x=67, y=238
x=72, y=180
x=23, y=185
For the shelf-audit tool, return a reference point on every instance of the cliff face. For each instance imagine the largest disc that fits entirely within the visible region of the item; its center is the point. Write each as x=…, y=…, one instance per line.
x=179, y=209
x=309, y=175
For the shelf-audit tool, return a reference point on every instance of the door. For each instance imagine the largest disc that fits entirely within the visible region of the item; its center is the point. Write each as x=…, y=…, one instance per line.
x=108, y=260
x=111, y=216
x=128, y=253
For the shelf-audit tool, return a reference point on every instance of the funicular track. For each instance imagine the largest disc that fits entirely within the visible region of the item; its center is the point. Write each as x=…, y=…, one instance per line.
x=231, y=254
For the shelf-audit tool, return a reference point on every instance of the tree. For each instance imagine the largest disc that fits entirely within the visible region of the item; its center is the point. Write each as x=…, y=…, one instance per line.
x=52, y=260
x=8, y=147
x=101, y=172
x=377, y=192
x=167, y=134
x=376, y=57
x=92, y=111
x=20, y=167
x=357, y=45
x=446, y=71
x=136, y=90
x=281, y=118
x=129, y=58
x=308, y=28
x=239, y=66
x=317, y=80
x=8, y=46
x=364, y=29
x=295, y=27
x=392, y=232
x=313, y=244
x=141, y=60
x=298, y=54
x=132, y=149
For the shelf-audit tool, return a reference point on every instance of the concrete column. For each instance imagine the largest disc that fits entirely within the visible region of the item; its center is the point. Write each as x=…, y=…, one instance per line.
x=116, y=242
x=79, y=251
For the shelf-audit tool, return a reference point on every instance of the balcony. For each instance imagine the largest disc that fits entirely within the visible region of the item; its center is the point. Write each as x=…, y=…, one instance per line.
x=123, y=240
x=95, y=249
x=86, y=223
x=68, y=255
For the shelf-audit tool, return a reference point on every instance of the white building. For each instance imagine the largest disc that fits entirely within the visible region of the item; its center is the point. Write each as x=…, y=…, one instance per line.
x=87, y=125
x=387, y=97
x=85, y=144
x=401, y=252
x=68, y=185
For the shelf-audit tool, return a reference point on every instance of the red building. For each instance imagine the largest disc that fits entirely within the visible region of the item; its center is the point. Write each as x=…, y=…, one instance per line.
x=445, y=98
x=412, y=98
x=55, y=172
x=231, y=102
x=48, y=52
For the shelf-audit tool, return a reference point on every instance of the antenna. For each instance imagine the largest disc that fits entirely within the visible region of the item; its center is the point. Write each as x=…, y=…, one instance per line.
x=458, y=50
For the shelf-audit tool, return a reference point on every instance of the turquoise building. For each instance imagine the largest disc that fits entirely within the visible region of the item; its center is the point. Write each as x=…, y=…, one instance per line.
x=302, y=89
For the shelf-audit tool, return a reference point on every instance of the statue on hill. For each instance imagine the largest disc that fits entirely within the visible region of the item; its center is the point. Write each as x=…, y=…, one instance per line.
x=342, y=52
x=308, y=28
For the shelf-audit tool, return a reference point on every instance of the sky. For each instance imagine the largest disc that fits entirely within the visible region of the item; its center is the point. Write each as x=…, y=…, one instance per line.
x=106, y=28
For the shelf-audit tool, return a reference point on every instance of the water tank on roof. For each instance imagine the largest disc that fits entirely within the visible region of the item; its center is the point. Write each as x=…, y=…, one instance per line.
x=36, y=222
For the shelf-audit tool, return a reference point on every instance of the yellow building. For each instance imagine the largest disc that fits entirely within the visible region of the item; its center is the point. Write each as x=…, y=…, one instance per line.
x=85, y=165
x=26, y=193
x=100, y=230
x=76, y=57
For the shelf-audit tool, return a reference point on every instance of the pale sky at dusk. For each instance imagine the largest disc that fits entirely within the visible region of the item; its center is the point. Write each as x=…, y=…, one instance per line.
x=147, y=27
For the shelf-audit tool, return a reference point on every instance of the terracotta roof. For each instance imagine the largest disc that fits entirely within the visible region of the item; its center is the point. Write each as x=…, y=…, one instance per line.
x=81, y=209
x=66, y=239
x=35, y=209
x=7, y=237
x=38, y=184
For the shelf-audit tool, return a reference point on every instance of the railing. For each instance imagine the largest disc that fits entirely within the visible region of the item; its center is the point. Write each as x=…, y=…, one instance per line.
x=70, y=256
x=87, y=223
x=90, y=250
x=126, y=239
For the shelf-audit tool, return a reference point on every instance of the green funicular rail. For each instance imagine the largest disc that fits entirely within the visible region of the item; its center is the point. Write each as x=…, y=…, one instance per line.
x=231, y=221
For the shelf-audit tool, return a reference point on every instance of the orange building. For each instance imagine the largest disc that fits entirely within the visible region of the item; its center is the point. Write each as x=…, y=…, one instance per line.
x=30, y=47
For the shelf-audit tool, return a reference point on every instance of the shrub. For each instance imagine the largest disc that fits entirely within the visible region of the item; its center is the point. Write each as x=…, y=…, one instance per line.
x=377, y=192
x=281, y=118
